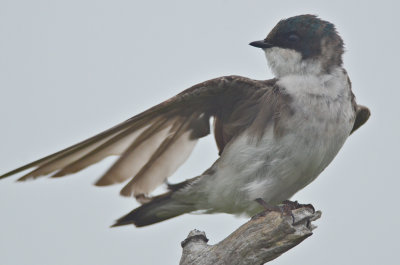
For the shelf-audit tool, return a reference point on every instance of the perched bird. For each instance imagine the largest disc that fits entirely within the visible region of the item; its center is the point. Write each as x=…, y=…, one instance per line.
x=274, y=136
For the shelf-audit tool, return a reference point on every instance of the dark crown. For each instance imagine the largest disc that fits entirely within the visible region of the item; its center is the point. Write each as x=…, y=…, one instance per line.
x=311, y=36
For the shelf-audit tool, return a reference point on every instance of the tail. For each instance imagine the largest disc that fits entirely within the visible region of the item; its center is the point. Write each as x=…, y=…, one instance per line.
x=160, y=208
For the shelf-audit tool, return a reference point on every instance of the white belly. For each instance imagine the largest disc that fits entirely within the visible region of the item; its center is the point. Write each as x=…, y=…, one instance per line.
x=273, y=171
x=275, y=168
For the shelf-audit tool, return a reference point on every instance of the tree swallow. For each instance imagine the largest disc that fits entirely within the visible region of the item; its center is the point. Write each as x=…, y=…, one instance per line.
x=274, y=136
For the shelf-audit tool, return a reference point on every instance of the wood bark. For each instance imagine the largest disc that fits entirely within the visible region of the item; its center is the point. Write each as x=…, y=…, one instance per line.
x=263, y=238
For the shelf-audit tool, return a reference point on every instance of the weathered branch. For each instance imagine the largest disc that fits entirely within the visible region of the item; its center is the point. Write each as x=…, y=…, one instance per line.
x=263, y=238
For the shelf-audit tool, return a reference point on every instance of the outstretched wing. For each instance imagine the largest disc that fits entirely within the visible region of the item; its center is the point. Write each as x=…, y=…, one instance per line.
x=362, y=115
x=152, y=144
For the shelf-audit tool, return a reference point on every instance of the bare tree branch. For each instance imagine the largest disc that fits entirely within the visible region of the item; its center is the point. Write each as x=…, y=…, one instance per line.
x=262, y=239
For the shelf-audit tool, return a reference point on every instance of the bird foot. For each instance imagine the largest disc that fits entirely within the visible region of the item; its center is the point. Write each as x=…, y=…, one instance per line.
x=285, y=208
x=293, y=205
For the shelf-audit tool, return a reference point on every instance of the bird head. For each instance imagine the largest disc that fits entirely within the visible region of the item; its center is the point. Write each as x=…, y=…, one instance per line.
x=302, y=44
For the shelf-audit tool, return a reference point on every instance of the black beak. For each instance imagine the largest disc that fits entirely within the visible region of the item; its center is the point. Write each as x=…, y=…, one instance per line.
x=261, y=44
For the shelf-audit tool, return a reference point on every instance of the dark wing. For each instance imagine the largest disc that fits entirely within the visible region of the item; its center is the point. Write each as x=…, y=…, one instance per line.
x=152, y=144
x=362, y=115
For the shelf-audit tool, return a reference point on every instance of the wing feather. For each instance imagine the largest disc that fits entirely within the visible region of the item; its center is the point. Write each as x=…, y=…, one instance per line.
x=136, y=156
x=170, y=154
x=55, y=163
x=153, y=144
x=114, y=146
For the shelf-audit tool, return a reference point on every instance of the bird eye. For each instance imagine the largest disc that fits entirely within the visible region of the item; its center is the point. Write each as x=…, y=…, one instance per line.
x=293, y=37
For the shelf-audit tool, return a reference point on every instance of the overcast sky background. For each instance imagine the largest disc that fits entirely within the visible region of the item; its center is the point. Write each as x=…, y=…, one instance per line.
x=70, y=69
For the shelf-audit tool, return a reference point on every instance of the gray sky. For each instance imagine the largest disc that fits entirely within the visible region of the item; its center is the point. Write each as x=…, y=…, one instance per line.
x=70, y=69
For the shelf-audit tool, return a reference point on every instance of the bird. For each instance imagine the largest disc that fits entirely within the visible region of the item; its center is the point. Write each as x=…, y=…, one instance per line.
x=274, y=137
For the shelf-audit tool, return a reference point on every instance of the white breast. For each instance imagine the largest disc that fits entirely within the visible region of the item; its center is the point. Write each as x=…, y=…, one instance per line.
x=276, y=168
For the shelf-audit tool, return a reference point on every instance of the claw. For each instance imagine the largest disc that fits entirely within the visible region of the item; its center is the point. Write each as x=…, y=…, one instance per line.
x=283, y=209
x=310, y=206
x=295, y=205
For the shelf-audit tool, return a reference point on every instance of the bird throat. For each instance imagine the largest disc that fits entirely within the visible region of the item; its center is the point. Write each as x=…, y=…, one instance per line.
x=285, y=62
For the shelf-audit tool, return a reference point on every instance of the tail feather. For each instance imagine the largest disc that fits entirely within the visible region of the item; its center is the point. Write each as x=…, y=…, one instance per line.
x=160, y=208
